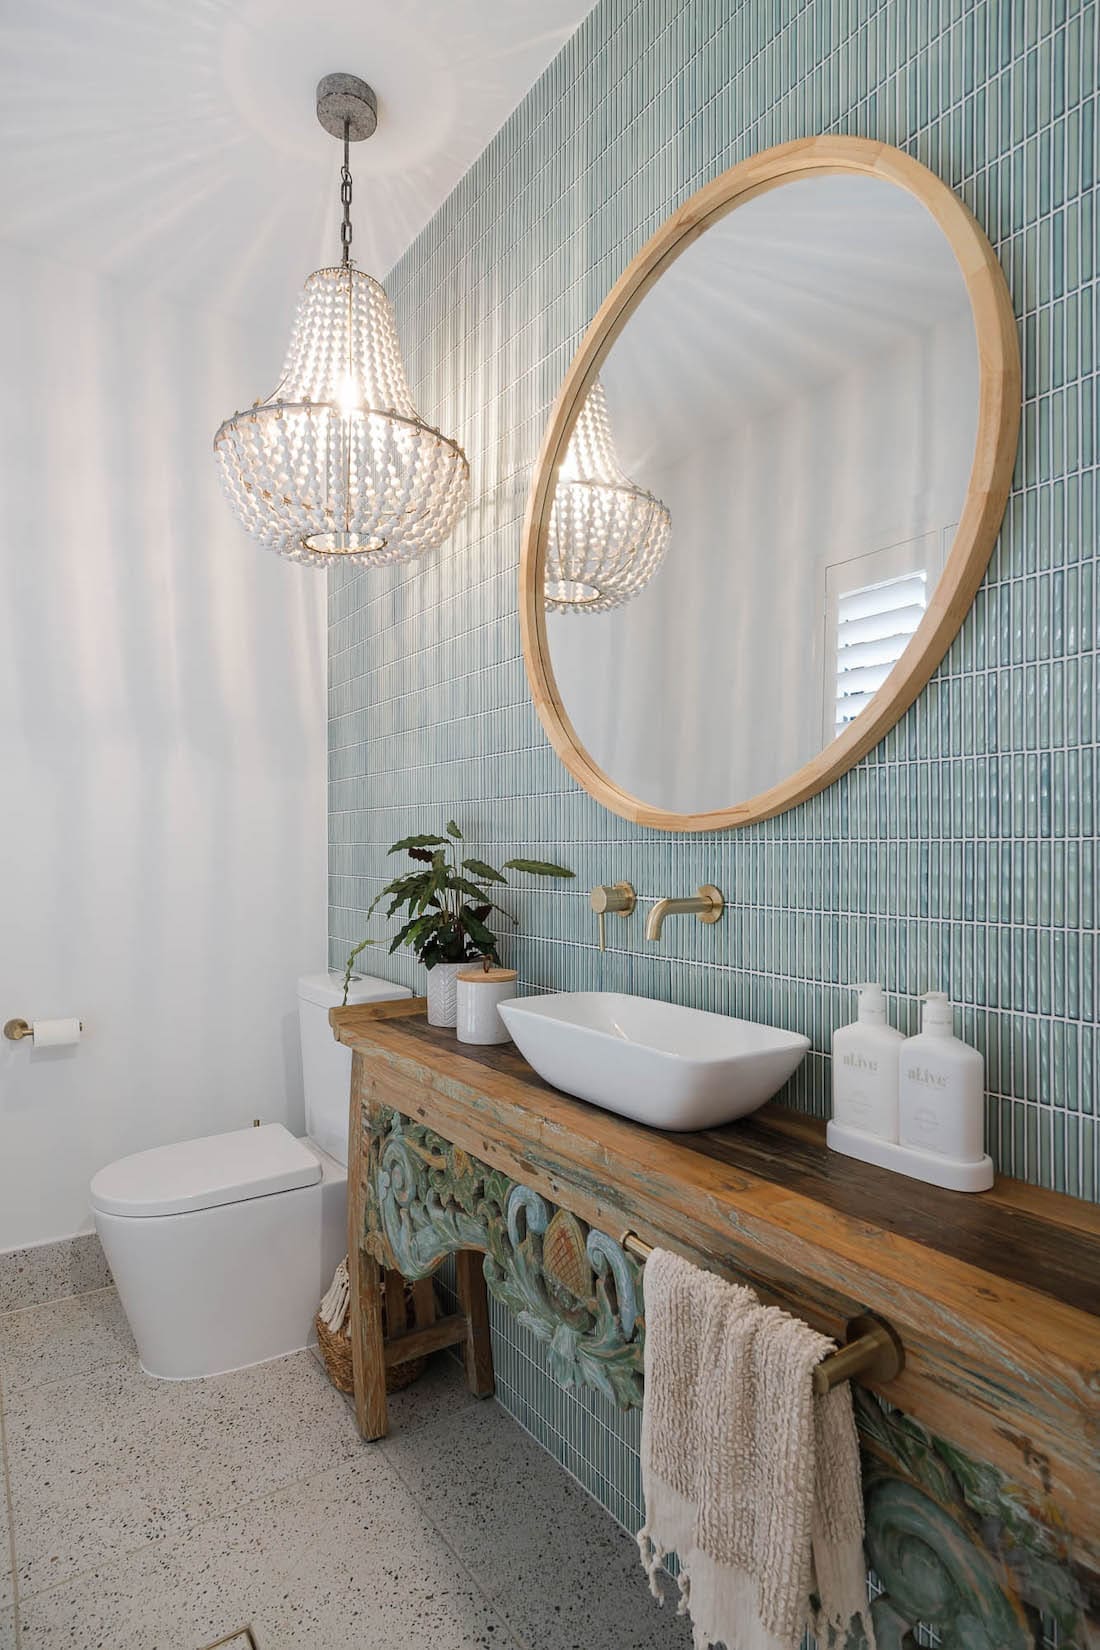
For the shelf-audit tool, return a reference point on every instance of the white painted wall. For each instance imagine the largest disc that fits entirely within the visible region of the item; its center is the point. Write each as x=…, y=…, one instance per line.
x=162, y=766
x=709, y=686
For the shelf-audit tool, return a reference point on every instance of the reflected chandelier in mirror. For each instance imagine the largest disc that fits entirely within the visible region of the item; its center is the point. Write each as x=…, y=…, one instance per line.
x=607, y=536
x=812, y=376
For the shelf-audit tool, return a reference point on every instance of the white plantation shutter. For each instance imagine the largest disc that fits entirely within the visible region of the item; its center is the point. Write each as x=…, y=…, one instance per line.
x=873, y=627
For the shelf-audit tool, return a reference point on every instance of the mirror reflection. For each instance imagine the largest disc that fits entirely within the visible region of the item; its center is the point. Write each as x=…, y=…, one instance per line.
x=761, y=490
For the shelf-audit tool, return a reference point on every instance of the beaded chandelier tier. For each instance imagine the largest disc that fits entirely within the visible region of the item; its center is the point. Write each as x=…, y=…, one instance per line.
x=336, y=465
x=607, y=537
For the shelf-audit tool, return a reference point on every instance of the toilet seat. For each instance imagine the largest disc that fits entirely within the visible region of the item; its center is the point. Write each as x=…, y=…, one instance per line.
x=206, y=1173
x=221, y=1248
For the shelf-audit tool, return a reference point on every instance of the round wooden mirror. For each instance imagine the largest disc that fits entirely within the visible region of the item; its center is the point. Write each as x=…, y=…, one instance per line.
x=770, y=485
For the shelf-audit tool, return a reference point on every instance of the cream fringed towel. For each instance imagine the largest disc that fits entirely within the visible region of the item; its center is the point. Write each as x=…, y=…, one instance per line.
x=752, y=1481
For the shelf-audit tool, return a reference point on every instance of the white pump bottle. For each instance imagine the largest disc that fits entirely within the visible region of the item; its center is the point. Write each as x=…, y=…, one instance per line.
x=941, y=1094
x=865, y=1069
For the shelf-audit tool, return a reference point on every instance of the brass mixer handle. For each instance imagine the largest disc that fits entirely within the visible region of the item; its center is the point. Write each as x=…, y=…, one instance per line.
x=619, y=898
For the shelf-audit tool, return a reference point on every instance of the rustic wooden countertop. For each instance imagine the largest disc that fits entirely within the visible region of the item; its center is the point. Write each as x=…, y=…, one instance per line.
x=995, y=1296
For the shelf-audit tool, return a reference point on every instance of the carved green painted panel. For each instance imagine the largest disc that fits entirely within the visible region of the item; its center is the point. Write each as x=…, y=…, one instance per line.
x=574, y=1289
x=951, y=1542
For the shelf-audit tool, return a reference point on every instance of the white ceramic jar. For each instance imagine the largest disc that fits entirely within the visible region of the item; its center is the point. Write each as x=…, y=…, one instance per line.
x=480, y=991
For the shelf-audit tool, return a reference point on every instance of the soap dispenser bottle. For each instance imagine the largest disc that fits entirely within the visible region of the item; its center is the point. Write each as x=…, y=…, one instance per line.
x=941, y=1090
x=865, y=1069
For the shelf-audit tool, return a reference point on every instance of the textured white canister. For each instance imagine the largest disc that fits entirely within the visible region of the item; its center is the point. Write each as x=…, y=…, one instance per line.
x=480, y=990
x=442, y=1003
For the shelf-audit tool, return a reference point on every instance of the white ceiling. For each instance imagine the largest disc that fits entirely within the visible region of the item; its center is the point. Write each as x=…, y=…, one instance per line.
x=175, y=141
x=788, y=292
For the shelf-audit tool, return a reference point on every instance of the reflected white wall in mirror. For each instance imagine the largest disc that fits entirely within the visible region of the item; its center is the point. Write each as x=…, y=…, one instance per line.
x=800, y=388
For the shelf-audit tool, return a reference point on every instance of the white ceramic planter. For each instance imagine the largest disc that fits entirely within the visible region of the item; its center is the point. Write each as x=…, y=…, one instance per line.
x=443, y=993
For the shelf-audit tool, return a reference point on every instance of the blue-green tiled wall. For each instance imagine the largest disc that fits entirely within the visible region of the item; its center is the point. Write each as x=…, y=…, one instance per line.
x=962, y=853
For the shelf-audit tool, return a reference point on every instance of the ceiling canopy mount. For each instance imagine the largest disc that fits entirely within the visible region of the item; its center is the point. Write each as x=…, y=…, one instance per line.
x=344, y=98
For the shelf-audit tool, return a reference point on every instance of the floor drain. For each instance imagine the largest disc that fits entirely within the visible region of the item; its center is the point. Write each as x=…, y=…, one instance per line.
x=240, y=1640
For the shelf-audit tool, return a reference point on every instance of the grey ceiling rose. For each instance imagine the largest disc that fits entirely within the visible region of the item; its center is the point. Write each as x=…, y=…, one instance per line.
x=344, y=97
x=336, y=465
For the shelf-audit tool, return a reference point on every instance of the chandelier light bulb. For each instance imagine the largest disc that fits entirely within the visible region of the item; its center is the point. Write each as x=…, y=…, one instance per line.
x=350, y=395
x=607, y=537
x=336, y=465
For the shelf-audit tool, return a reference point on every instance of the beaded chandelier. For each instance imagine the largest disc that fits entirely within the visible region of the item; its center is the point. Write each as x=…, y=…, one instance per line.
x=336, y=465
x=607, y=537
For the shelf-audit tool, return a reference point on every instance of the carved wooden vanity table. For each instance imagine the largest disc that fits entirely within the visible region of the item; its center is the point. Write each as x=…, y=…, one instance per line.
x=994, y=1465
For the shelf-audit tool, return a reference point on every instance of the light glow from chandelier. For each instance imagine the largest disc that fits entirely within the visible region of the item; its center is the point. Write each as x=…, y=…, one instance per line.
x=350, y=395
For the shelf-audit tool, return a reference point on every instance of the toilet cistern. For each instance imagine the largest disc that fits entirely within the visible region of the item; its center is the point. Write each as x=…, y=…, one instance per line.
x=707, y=905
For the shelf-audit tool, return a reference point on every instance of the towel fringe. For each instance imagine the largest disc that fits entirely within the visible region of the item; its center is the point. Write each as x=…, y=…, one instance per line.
x=652, y=1557
x=337, y=1299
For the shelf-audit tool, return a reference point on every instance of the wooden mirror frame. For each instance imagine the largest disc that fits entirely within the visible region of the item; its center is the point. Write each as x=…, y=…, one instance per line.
x=979, y=522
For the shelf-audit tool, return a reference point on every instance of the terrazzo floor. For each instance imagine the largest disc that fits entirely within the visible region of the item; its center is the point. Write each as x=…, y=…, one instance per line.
x=147, y=1515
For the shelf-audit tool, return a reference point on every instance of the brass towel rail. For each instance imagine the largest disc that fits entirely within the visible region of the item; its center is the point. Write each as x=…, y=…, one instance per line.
x=871, y=1346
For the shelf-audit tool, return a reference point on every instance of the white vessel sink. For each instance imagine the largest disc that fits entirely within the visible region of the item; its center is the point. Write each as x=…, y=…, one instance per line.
x=669, y=1067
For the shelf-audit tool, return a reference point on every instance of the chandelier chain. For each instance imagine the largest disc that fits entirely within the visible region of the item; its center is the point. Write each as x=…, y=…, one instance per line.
x=345, y=196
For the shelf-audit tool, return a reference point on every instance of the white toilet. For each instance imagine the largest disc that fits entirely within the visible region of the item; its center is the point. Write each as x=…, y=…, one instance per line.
x=221, y=1248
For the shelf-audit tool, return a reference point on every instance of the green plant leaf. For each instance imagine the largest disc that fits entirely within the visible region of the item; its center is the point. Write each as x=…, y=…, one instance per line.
x=446, y=943
x=491, y=905
x=537, y=868
x=453, y=830
x=485, y=872
x=416, y=842
x=403, y=886
x=411, y=884
x=424, y=854
x=463, y=885
x=410, y=933
x=405, y=890
x=483, y=937
x=352, y=954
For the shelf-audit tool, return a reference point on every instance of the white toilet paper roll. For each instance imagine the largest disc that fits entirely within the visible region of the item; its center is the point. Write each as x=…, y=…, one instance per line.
x=55, y=1033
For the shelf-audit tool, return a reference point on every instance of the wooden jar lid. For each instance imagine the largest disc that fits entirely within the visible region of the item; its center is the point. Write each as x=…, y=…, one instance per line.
x=494, y=976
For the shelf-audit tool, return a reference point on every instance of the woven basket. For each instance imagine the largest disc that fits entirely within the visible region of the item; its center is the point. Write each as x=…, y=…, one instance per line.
x=336, y=1350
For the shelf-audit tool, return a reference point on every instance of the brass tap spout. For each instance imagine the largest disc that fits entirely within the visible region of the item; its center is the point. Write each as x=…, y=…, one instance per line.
x=707, y=905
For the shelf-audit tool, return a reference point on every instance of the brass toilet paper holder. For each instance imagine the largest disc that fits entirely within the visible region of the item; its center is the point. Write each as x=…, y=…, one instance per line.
x=16, y=1030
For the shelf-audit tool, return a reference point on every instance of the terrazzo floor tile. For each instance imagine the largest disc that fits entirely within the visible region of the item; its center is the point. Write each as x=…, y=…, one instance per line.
x=557, y=1567
x=112, y=1460
x=66, y=1338
x=7, y=1628
x=342, y=1561
x=439, y=1393
x=6, y=1588
x=52, y=1271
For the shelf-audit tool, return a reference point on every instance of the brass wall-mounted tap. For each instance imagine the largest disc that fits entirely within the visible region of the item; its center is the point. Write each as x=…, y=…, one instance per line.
x=620, y=898
x=708, y=906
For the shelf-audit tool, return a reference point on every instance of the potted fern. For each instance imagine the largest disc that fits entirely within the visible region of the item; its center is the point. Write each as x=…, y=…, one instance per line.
x=448, y=904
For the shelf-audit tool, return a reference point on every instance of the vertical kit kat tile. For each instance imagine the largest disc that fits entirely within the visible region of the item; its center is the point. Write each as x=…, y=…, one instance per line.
x=965, y=844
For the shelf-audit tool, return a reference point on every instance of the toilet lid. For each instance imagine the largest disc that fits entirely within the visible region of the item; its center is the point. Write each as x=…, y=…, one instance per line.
x=200, y=1174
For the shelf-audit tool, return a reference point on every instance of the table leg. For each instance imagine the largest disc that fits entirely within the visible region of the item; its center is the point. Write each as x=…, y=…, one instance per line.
x=423, y=1291
x=470, y=1269
x=368, y=1352
x=368, y=1357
